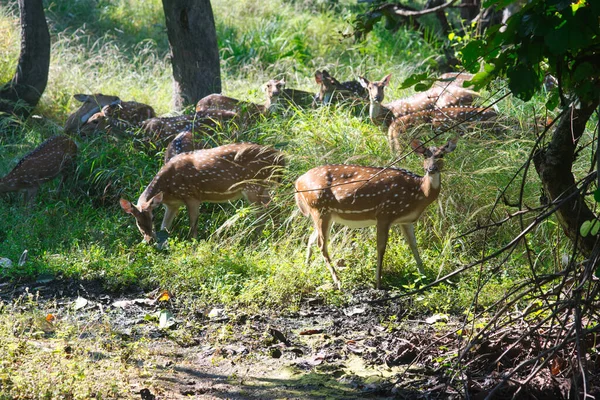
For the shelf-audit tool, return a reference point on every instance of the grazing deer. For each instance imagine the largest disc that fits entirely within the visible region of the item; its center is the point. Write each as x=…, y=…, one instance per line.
x=215, y=175
x=92, y=103
x=358, y=196
x=332, y=91
x=41, y=165
x=439, y=117
x=183, y=143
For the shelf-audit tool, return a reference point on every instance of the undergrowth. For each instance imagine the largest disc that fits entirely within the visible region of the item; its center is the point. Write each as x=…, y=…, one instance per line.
x=120, y=47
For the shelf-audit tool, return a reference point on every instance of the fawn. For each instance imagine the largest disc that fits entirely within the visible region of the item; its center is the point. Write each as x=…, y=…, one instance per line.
x=215, y=175
x=358, y=196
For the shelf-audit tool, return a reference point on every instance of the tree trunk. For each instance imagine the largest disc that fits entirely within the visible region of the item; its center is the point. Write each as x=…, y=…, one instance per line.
x=194, y=50
x=554, y=165
x=23, y=92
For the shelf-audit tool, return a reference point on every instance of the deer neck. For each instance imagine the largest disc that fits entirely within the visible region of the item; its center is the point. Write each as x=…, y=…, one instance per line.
x=379, y=114
x=151, y=190
x=430, y=185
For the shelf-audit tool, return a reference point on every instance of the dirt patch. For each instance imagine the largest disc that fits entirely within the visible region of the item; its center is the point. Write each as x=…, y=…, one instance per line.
x=362, y=350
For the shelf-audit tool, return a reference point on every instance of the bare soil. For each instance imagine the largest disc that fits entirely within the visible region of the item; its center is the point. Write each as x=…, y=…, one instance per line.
x=362, y=350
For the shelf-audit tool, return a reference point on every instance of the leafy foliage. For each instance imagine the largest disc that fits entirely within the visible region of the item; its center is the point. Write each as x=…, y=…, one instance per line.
x=557, y=37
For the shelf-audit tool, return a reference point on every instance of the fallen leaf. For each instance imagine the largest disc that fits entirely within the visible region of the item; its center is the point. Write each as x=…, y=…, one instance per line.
x=437, y=318
x=50, y=318
x=164, y=296
x=311, y=332
x=166, y=319
x=80, y=303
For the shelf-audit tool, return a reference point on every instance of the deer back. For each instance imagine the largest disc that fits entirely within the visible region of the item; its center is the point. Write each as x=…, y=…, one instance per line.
x=219, y=174
x=183, y=143
x=42, y=164
x=92, y=103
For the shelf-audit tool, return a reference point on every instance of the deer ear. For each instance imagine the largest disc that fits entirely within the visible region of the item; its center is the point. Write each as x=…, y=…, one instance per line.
x=81, y=97
x=318, y=77
x=363, y=82
x=451, y=145
x=126, y=206
x=156, y=200
x=417, y=146
x=386, y=81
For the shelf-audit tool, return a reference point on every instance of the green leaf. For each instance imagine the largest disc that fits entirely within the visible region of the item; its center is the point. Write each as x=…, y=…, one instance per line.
x=471, y=53
x=421, y=87
x=597, y=195
x=585, y=228
x=553, y=100
x=523, y=81
x=557, y=40
x=595, y=227
x=414, y=79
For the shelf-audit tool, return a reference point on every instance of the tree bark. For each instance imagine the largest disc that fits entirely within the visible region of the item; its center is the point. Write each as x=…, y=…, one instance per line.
x=20, y=95
x=554, y=165
x=194, y=50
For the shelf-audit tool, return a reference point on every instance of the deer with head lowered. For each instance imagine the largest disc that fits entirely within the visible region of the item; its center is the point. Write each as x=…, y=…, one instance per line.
x=215, y=175
x=92, y=103
x=358, y=196
x=44, y=163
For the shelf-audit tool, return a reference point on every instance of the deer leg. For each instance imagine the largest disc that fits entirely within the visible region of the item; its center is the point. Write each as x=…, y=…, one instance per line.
x=383, y=231
x=322, y=227
x=408, y=231
x=311, y=241
x=193, y=208
x=170, y=214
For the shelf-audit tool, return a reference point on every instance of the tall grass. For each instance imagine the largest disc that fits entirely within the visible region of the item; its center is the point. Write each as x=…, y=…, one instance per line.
x=119, y=47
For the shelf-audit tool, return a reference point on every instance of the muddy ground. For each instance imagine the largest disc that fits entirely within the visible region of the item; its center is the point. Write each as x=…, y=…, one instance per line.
x=365, y=349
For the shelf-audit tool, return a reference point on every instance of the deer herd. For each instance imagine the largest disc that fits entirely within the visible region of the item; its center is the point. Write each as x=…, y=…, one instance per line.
x=352, y=195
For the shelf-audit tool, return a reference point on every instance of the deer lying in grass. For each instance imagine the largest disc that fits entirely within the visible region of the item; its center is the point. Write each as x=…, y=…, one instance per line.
x=215, y=175
x=333, y=91
x=183, y=143
x=50, y=159
x=358, y=196
x=436, y=118
x=160, y=130
x=441, y=95
x=92, y=103
x=118, y=117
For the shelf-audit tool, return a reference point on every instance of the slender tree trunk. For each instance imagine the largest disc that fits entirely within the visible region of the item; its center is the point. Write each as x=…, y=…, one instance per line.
x=554, y=165
x=23, y=92
x=194, y=50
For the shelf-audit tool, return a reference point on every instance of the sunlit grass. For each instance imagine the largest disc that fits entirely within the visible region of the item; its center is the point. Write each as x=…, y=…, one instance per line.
x=82, y=232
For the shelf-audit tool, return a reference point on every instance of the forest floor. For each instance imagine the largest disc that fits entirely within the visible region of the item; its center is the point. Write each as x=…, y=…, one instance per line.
x=363, y=350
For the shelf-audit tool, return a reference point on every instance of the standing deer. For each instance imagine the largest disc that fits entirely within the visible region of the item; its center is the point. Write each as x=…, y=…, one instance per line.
x=358, y=196
x=444, y=117
x=379, y=114
x=331, y=90
x=92, y=103
x=215, y=175
x=41, y=165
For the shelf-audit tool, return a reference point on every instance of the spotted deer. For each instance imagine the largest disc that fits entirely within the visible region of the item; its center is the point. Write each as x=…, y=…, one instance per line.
x=442, y=94
x=332, y=91
x=161, y=130
x=50, y=159
x=118, y=117
x=183, y=143
x=358, y=196
x=444, y=117
x=92, y=103
x=215, y=175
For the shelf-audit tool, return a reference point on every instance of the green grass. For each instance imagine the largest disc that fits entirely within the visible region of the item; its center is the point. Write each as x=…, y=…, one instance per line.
x=82, y=232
